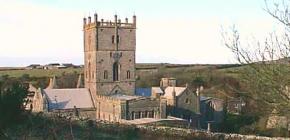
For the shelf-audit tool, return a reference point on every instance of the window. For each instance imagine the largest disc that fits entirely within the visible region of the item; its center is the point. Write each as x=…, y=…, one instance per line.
x=187, y=101
x=113, y=39
x=115, y=71
x=105, y=74
x=128, y=74
x=118, y=39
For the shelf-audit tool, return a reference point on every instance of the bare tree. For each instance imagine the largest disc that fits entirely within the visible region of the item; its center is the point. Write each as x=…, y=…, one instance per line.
x=266, y=70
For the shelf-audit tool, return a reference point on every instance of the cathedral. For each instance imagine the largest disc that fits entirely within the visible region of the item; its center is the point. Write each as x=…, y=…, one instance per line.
x=109, y=91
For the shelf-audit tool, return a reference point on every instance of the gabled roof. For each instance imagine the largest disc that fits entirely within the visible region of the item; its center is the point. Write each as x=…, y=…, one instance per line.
x=178, y=91
x=143, y=92
x=68, y=98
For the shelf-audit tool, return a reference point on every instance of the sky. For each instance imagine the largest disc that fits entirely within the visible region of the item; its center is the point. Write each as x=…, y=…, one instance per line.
x=168, y=31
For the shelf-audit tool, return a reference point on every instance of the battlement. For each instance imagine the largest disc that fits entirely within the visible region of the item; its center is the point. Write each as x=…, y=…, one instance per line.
x=103, y=97
x=89, y=23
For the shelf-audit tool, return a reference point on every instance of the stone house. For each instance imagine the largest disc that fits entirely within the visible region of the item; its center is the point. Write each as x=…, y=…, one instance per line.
x=182, y=102
x=211, y=110
x=235, y=105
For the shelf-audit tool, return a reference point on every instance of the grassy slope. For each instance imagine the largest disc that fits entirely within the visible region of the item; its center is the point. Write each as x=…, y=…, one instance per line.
x=40, y=72
x=18, y=72
x=149, y=74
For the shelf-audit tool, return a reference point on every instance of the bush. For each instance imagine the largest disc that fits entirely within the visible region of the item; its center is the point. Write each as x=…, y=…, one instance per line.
x=12, y=97
x=234, y=123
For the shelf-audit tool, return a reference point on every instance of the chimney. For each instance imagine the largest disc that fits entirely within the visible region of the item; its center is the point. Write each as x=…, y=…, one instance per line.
x=89, y=19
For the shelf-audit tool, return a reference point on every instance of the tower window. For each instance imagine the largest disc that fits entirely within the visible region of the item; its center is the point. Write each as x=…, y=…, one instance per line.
x=118, y=39
x=113, y=39
x=105, y=74
x=128, y=74
x=115, y=71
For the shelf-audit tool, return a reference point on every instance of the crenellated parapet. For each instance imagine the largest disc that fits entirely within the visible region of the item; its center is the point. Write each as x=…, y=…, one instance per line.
x=108, y=98
x=89, y=22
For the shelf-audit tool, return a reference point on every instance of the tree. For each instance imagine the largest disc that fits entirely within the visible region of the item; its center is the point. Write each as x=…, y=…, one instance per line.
x=12, y=97
x=265, y=75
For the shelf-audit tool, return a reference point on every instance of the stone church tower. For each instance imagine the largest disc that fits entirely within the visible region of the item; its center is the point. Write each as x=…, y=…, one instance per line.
x=109, y=49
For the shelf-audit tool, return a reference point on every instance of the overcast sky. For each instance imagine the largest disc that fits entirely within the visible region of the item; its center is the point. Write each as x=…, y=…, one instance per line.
x=168, y=31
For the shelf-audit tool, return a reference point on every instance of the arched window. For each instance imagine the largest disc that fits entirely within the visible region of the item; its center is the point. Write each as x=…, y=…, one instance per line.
x=118, y=39
x=115, y=71
x=105, y=74
x=128, y=74
x=113, y=39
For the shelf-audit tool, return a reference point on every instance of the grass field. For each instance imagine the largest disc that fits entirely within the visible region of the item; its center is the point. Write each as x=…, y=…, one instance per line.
x=18, y=72
x=40, y=72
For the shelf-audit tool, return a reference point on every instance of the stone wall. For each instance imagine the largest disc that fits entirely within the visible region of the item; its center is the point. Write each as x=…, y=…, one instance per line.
x=108, y=109
x=80, y=114
x=183, y=133
x=146, y=108
x=276, y=121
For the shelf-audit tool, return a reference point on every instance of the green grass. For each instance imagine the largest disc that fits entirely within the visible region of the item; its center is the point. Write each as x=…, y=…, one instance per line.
x=40, y=72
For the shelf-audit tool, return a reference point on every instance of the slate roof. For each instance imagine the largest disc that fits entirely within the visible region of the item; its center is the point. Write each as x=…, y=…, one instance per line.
x=157, y=90
x=68, y=98
x=143, y=92
x=124, y=97
x=178, y=91
x=203, y=98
